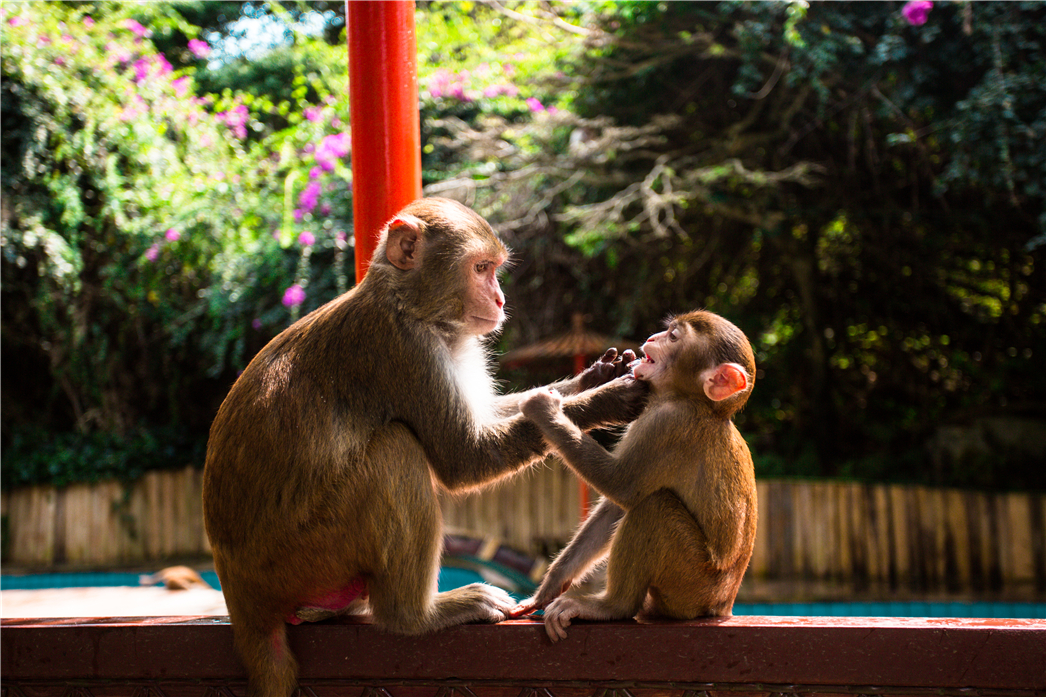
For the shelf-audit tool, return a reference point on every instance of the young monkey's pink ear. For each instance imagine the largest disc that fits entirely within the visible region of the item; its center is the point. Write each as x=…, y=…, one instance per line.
x=403, y=245
x=725, y=380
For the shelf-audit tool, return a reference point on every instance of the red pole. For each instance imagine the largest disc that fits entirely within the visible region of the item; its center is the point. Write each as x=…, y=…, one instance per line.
x=386, y=125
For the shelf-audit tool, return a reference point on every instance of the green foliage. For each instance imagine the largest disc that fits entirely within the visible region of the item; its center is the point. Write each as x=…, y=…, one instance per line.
x=861, y=194
x=150, y=229
x=41, y=457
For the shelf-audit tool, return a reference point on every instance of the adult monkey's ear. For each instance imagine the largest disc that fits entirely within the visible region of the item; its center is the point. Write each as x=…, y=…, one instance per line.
x=403, y=246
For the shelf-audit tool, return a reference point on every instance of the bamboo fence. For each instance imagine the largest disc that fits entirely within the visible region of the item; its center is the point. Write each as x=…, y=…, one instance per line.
x=915, y=536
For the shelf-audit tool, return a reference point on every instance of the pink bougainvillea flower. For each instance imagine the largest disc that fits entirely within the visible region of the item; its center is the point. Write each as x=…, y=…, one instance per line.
x=88, y=22
x=458, y=92
x=312, y=113
x=141, y=69
x=917, y=11
x=331, y=149
x=294, y=296
x=199, y=48
x=306, y=239
x=311, y=196
x=495, y=90
x=172, y=235
x=236, y=119
x=153, y=253
x=162, y=64
x=151, y=65
x=439, y=82
x=534, y=105
x=138, y=30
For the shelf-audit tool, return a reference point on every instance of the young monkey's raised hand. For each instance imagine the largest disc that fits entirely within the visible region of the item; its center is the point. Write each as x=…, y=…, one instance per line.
x=542, y=406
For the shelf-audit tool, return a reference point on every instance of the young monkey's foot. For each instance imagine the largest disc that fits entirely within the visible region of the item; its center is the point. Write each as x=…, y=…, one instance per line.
x=558, y=616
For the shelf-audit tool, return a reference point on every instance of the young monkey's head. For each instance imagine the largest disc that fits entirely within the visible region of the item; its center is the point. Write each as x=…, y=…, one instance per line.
x=700, y=356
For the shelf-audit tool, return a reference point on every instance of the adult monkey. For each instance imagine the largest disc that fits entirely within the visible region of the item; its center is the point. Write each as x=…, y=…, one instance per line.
x=324, y=460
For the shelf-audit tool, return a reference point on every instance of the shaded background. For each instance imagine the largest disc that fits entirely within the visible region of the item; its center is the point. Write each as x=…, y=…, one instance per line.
x=860, y=192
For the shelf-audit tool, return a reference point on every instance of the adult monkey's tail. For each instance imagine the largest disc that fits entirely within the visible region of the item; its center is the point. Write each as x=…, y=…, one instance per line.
x=261, y=640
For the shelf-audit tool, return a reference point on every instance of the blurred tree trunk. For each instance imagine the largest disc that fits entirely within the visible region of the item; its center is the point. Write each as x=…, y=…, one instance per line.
x=796, y=250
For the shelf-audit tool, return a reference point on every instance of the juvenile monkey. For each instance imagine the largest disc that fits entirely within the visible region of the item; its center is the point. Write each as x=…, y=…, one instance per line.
x=324, y=460
x=678, y=517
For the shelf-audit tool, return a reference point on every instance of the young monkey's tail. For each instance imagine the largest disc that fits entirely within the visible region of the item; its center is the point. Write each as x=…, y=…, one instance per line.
x=261, y=641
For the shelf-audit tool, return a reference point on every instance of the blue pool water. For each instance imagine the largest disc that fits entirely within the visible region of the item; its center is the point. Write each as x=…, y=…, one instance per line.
x=451, y=577
x=896, y=609
x=448, y=578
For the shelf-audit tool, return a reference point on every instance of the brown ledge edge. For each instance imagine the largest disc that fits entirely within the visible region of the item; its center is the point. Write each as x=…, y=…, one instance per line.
x=157, y=656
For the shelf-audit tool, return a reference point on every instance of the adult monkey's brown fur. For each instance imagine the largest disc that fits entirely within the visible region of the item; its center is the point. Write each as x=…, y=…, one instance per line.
x=325, y=458
x=679, y=513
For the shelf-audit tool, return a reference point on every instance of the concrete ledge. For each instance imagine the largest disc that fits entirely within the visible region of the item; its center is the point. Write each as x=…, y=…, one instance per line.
x=755, y=655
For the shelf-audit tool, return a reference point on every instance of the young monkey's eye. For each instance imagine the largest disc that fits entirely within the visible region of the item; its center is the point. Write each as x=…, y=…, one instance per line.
x=482, y=267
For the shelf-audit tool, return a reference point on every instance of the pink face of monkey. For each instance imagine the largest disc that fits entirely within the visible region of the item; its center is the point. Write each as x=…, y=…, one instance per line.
x=466, y=256
x=669, y=355
x=484, y=301
x=658, y=353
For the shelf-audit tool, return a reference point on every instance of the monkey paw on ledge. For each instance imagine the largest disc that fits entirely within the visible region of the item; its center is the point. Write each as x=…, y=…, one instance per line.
x=753, y=655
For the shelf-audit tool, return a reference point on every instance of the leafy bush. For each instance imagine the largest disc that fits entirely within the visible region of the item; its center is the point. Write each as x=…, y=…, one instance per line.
x=857, y=185
x=39, y=457
x=151, y=232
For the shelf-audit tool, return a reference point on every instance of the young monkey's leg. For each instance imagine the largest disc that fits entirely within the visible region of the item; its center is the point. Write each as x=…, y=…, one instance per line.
x=657, y=542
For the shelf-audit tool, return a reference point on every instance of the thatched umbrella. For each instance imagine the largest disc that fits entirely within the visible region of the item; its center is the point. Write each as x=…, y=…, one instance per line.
x=581, y=345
